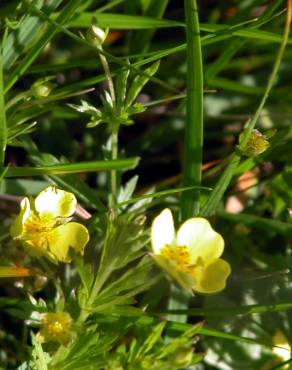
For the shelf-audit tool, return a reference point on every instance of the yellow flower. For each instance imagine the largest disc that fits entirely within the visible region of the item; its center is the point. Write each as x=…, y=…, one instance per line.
x=191, y=256
x=44, y=228
x=55, y=326
x=282, y=349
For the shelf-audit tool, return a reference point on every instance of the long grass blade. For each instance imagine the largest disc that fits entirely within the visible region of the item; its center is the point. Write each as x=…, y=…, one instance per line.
x=3, y=126
x=66, y=14
x=63, y=169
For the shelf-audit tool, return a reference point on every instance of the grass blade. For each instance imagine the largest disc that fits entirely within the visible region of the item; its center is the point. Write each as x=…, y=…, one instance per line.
x=122, y=21
x=51, y=31
x=3, y=128
x=231, y=311
x=17, y=40
x=64, y=169
x=193, y=142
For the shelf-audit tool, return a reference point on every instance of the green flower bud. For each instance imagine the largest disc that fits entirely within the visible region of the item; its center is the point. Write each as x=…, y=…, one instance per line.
x=96, y=35
x=183, y=357
x=42, y=88
x=256, y=145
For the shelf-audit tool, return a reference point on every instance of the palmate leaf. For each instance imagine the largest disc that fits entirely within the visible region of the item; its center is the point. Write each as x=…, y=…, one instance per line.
x=123, y=244
x=123, y=289
x=85, y=352
x=147, y=349
x=40, y=358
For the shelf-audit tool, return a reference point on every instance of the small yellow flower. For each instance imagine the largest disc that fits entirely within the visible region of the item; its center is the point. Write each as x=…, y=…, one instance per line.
x=191, y=256
x=44, y=228
x=282, y=352
x=282, y=349
x=256, y=145
x=55, y=327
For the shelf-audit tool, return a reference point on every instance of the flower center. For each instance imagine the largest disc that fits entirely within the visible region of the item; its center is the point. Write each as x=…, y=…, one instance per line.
x=56, y=326
x=35, y=224
x=180, y=256
x=37, y=230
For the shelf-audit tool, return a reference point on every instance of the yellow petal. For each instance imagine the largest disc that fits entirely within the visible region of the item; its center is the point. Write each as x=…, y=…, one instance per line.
x=282, y=347
x=56, y=202
x=212, y=279
x=63, y=237
x=162, y=231
x=202, y=240
x=184, y=279
x=16, y=228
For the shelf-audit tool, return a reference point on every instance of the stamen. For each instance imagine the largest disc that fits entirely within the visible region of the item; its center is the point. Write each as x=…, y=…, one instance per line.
x=180, y=256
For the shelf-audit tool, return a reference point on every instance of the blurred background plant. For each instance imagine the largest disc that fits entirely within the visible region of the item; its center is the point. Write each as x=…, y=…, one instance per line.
x=93, y=100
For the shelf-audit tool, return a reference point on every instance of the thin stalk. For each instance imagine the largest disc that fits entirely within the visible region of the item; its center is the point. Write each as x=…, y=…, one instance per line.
x=3, y=125
x=225, y=179
x=192, y=172
x=107, y=75
x=114, y=128
x=113, y=197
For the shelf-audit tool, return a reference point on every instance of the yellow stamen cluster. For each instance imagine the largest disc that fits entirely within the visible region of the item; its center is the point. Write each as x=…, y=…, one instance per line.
x=56, y=326
x=180, y=256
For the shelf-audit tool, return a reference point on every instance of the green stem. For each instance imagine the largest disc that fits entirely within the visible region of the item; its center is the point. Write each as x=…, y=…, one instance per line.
x=190, y=201
x=115, y=130
x=3, y=125
x=225, y=179
x=113, y=197
x=108, y=75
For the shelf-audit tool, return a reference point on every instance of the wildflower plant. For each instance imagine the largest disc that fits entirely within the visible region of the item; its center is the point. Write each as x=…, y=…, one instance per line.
x=110, y=131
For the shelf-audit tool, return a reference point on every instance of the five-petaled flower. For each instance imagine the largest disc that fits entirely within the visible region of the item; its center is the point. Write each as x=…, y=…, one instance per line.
x=56, y=327
x=191, y=256
x=44, y=225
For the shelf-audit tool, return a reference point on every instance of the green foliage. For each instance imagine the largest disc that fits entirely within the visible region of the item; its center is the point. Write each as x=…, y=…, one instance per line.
x=160, y=65
x=120, y=112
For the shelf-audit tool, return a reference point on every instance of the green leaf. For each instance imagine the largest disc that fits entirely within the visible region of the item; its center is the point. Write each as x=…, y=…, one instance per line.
x=232, y=311
x=71, y=182
x=257, y=222
x=139, y=82
x=134, y=280
x=25, y=33
x=121, y=21
x=63, y=169
x=3, y=128
x=85, y=273
x=127, y=191
x=121, y=86
x=152, y=339
x=40, y=358
x=64, y=16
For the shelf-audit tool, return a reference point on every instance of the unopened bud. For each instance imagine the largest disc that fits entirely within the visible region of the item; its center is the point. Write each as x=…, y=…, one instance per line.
x=183, y=357
x=96, y=35
x=42, y=88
